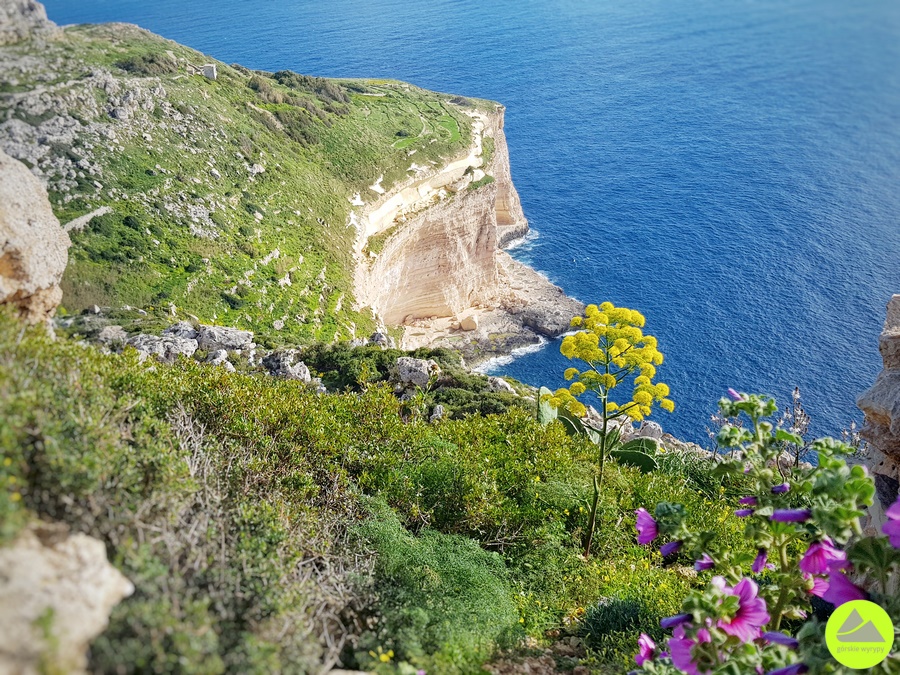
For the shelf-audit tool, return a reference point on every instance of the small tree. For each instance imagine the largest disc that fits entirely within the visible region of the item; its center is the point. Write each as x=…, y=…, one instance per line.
x=618, y=355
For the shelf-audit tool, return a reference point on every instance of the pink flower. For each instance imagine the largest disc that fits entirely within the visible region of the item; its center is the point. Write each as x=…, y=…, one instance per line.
x=646, y=527
x=841, y=589
x=751, y=614
x=735, y=396
x=680, y=650
x=821, y=556
x=820, y=585
x=646, y=648
x=892, y=527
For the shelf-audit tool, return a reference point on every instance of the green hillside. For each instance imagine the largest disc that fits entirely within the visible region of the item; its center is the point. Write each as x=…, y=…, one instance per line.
x=177, y=157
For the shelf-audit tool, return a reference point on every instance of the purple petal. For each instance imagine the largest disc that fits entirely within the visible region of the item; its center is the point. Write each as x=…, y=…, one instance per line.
x=781, y=639
x=646, y=527
x=791, y=515
x=735, y=396
x=821, y=556
x=795, y=669
x=841, y=590
x=668, y=549
x=893, y=511
x=705, y=563
x=892, y=530
x=760, y=563
x=780, y=489
x=672, y=621
x=749, y=501
x=743, y=513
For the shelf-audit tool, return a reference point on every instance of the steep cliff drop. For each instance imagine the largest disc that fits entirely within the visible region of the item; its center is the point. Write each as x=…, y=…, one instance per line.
x=881, y=405
x=430, y=258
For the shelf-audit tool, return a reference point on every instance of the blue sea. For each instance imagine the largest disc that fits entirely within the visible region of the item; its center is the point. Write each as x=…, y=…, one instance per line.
x=731, y=168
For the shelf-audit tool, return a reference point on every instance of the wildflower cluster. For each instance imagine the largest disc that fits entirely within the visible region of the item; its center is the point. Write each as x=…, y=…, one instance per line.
x=615, y=350
x=803, y=523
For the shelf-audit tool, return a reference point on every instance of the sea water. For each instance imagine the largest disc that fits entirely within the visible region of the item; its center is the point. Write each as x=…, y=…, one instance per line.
x=731, y=168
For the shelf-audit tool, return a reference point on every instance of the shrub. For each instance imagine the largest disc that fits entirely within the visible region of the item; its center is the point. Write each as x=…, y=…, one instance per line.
x=149, y=64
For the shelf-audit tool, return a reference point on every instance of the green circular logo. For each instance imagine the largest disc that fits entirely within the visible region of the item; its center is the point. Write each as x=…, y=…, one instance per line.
x=859, y=634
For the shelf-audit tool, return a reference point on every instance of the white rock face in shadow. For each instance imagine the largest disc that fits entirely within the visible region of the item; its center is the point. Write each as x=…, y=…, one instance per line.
x=881, y=405
x=59, y=586
x=33, y=245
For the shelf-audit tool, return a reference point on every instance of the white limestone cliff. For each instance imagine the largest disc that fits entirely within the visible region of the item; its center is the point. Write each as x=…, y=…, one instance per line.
x=441, y=272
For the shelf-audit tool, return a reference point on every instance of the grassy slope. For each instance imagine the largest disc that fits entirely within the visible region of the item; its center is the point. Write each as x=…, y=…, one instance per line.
x=238, y=505
x=317, y=152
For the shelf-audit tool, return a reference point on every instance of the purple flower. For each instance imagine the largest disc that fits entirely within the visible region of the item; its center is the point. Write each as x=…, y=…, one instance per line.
x=892, y=527
x=672, y=621
x=668, y=549
x=705, y=563
x=795, y=669
x=841, y=589
x=781, y=639
x=420, y=672
x=780, y=489
x=791, y=515
x=646, y=527
x=680, y=650
x=760, y=563
x=749, y=501
x=822, y=556
x=743, y=513
x=646, y=647
x=751, y=614
x=736, y=396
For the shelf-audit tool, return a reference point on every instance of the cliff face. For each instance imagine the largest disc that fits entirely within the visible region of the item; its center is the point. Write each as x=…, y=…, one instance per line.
x=441, y=271
x=881, y=405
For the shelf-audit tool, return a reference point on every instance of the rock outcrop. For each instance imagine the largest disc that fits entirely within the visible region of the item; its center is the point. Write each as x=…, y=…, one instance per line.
x=56, y=593
x=416, y=372
x=881, y=405
x=33, y=245
x=213, y=338
x=24, y=19
x=165, y=348
x=285, y=364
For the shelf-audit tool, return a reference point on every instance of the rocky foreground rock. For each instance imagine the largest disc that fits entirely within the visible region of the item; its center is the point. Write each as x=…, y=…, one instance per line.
x=56, y=593
x=881, y=405
x=21, y=19
x=33, y=245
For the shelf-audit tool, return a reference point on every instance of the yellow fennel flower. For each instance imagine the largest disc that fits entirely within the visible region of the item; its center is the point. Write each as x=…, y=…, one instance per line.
x=572, y=373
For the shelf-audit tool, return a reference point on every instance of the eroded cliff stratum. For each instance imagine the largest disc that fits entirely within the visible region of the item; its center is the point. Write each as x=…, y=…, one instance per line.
x=437, y=267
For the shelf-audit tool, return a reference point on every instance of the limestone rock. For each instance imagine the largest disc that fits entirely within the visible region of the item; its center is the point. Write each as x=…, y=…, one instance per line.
x=285, y=364
x=649, y=429
x=437, y=414
x=33, y=245
x=417, y=372
x=212, y=338
x=881, y=405
x=24, y=19
x=498, y=384
x=382, y=340
x=468, y=322
x=47, y=572
x=165, y=348
x=182, y=329
x=220, y=358
x=209, y=71
x=112, y=335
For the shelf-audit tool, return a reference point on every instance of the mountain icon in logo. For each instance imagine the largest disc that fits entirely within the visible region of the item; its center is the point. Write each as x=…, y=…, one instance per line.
x=857, y=629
